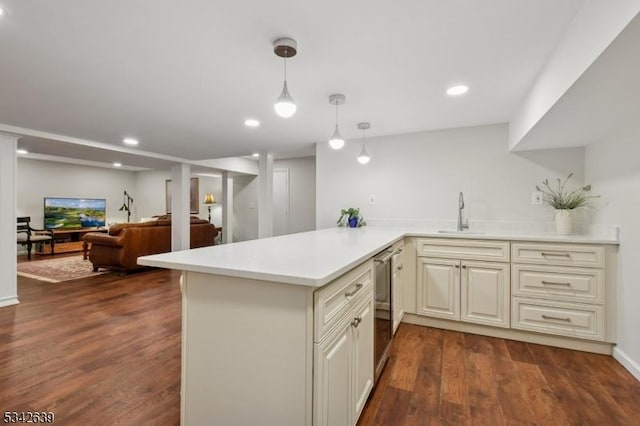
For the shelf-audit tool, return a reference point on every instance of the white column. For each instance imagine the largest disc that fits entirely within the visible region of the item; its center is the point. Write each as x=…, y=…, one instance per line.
x=180, y=210
x=227, y=208
x=265, y=195
x=8, y=250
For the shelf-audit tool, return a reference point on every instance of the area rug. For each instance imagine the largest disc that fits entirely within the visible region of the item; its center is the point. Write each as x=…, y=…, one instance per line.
x=58, y=270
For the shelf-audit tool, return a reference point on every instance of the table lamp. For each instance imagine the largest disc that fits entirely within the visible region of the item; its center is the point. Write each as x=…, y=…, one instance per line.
x=209, y=200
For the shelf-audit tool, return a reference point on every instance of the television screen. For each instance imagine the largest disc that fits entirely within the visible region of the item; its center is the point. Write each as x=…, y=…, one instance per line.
x=70, y=213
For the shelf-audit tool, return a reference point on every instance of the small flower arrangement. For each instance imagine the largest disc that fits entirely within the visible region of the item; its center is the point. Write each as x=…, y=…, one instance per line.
x=350, y=217
x=563, y=199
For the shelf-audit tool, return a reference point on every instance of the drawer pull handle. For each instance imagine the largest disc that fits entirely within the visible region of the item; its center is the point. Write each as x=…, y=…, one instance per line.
x=351, y=293
x=552, y=283
x=356, y=321
x=556, y=254
x=556, y=318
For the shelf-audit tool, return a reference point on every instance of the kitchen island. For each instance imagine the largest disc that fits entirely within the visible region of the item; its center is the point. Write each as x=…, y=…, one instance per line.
x=265, y=336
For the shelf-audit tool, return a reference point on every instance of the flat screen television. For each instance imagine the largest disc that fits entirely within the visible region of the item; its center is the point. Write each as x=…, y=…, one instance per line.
x=74, y=213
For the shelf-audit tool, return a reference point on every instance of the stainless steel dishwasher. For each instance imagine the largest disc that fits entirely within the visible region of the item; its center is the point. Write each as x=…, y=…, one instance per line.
x=383, y=327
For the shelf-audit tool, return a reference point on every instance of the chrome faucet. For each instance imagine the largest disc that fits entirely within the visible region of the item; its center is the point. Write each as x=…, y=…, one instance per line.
x=461, y=225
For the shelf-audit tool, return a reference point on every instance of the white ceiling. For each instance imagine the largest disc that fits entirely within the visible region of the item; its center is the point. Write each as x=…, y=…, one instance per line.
x=183, y=75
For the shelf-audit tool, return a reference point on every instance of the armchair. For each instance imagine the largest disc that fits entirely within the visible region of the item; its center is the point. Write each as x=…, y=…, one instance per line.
x=26, y=235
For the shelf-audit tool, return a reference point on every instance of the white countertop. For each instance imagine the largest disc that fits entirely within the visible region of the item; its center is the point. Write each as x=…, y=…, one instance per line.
x=317, y=257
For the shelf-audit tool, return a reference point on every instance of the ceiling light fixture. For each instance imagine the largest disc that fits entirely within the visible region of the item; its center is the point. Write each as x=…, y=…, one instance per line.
x=22, y=151
x=457, y=90
x=285, y=48
x=255, y=154
x=363, y=157
x=130, y=141
x=336, y=141
x=250, y=122
x=117, y=164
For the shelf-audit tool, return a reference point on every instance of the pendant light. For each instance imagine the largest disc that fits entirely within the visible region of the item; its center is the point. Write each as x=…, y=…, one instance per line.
x=363, y=157
x=336, y=141
x=285, y=48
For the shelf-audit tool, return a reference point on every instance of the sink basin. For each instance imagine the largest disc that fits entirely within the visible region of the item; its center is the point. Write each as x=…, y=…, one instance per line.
x=453, y=231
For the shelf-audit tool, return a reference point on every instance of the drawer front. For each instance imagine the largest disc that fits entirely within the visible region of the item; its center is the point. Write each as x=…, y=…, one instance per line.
x=495, y=251
x=573, y=320
x=334, y=300
x=558, y=254
x=558, y=283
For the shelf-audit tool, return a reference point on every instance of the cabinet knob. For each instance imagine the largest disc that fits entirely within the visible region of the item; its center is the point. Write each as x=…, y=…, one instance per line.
x=464, y=266
x=356, y=321
x=400, y=268
x=457, y=266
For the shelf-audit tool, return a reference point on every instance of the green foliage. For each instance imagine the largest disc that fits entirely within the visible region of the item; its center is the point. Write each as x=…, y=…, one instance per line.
x=563, y=199
x=347, y=214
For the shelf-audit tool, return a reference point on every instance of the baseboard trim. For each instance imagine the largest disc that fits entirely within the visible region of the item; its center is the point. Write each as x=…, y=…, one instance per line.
x=626, y=361
x=9, y=301
x=604, y=348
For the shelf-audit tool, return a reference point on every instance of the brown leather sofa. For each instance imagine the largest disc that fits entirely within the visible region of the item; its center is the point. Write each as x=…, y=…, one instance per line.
x=125, y=242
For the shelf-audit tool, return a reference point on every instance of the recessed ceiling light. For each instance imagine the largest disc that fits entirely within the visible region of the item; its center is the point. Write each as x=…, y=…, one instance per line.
x=255, y=154
x=457, y=90
x=117, y=164
x=250, y=122
x=130, y=141
x=22, y=151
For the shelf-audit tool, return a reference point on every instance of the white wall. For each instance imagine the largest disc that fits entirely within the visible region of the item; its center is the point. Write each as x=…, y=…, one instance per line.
x=302, y=192
x=418, y=176
x=38, y=179
x=613, y=169
x=8, y=165
x=302, y=199
x=245, y=208
x=151, y=194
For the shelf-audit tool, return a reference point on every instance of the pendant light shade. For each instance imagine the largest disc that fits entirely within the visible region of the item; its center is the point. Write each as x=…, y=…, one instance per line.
x=363, y=157
x=336, y=141
x=285, y=106
x=285, y=48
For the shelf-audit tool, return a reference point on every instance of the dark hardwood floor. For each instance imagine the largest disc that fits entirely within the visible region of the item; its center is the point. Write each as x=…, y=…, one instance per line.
x=98, y=351
x=439, y=377
x=106, y=351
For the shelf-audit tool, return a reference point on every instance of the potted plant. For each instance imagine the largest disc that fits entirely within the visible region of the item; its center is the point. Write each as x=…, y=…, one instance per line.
x=351, y=217
x=565, y=202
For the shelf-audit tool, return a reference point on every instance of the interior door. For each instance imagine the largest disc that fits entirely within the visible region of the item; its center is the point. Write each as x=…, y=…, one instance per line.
x=281, y=220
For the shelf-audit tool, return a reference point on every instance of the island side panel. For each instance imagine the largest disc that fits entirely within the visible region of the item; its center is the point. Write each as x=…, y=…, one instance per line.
x=247, y=352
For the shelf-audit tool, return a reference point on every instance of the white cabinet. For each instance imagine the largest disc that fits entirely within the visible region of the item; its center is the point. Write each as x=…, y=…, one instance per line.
x=466, y=288
x=561, y=289
x=362, y=367
x=397, y=283
x=332, y=360
x=438, y=289
x=485, y=293
x=343, y=348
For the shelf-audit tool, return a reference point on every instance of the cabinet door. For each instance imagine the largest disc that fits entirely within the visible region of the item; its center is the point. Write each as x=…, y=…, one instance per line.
x=396, y=291
x=332, y=399
x=486, y=293
x=438, y=288
x=363, y=368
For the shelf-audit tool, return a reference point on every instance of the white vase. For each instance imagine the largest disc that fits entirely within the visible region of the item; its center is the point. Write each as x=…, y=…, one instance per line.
x=564, y=221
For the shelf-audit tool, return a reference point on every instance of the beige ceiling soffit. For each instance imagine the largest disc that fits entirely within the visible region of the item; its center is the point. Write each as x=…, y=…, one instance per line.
x=19, y=131
x=32, y=156
x=232, y=164
x=593, y=29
